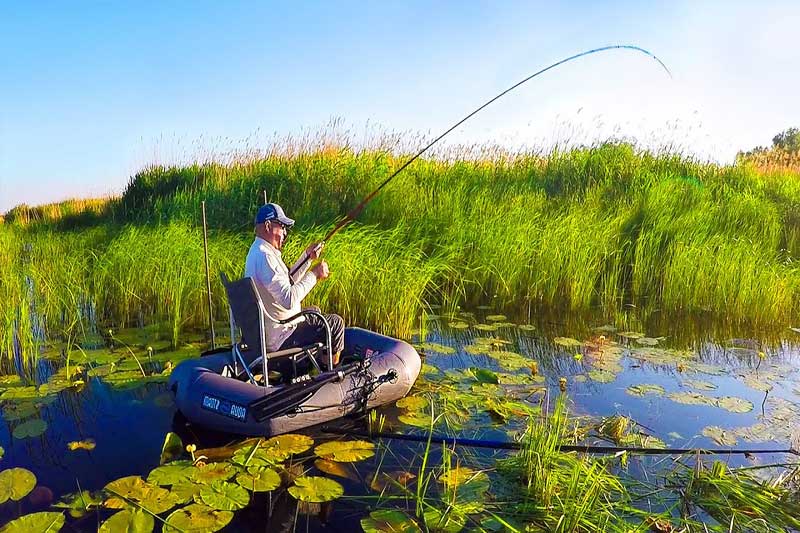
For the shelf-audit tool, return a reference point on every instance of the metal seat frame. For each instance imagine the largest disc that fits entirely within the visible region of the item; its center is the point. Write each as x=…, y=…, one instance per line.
x=295, y=354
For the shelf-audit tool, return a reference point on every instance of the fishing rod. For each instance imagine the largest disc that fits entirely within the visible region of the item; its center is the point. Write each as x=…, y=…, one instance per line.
x=596, y=450
x=351, y=216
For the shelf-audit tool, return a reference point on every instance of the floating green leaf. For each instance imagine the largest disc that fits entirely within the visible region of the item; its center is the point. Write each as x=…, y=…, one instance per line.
x=435, y=347
x=210, y=473
x=691, y=398
x=225, y=496
x=345, y=451
x=649, y=341
x=720, y=436
x=316, y=489
x=389, y=521
x=2, y=452
x=645, y=388
x=20, y=393
x=483, y=375
x=258, y=479
x=129, y=521
x=734, y=405
x=80, y=503
x=420, y=420
x=17, y=411
x=172, y=473
x=496, y=318
x=458, y=324
x=142, y=494
x=631, y=334
x=15, y=484
x=88, y=445
x=699, y=384
x=197, y=518
x=602, y=376
x=47, y=522
x=412, y=403
x=754, y=382
x=288, y=444
x=185, y=491
x=567, y=342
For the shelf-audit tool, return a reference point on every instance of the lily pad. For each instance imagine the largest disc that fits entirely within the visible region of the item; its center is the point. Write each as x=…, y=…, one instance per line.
x=133, y=488
x=130, y=521
x=197, y=518
x=345, y=451
x=699, y=384
x=259, y=479
x=649, y=341
x=316, y=489
x=225, y=496
x=48, y=522
x=212, y=473
x=289, y=444
x=435, y=347
x=420, y=420
x=2, y=452
x=172, y=473
x=412, y=403
x=567, y=342
x=486, y=327
x=333, y=468
x=20, y=393
x=17, y=411
x=88, y=445
x=691, y=398
x=602, y=376
x=496, y=318
x=185, y=491
x=644, y=389
x=389, y=521
x=458, y=324
x=80, y=503
x=734, y=405
x=483, y=375
x=720, y=436
x=15, y=484
x=754, y=382
x=172, y=448
x=631, y=335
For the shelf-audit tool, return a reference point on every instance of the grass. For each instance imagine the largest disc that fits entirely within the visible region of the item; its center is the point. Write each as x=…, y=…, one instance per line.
x=606, y=226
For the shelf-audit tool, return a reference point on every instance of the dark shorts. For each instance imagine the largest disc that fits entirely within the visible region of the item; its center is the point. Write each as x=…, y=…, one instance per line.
x=313, y=330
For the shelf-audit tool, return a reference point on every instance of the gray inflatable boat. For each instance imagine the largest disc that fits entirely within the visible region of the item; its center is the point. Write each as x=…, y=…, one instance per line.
x=235, y=389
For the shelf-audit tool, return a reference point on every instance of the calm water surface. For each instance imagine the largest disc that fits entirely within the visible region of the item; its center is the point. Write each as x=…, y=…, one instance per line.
x=759, y=370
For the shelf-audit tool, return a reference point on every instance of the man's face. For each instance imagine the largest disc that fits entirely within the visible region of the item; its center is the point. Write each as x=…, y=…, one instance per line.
x=276, y=233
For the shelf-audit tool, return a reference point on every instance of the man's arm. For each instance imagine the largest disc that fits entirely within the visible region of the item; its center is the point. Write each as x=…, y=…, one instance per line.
x=285, y=293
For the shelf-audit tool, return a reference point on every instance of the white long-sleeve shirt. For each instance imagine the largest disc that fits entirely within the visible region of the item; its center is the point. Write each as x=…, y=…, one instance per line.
x=280, y=295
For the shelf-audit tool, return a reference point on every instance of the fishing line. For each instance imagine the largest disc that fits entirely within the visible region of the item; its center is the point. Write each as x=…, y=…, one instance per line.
x=351, y=216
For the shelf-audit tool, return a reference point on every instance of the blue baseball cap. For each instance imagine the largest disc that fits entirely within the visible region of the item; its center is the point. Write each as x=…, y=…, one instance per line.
x=273, y=212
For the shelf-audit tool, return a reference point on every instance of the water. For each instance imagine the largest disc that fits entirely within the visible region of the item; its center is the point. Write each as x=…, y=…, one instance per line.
x=128, y=421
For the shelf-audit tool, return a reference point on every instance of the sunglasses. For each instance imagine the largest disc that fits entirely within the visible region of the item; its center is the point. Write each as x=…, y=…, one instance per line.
x=281, y=224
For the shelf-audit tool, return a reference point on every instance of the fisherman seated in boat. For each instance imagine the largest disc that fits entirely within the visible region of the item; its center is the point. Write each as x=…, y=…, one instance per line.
x=281, y=293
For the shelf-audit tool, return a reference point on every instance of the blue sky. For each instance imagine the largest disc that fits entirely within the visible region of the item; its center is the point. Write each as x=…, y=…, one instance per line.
x=91, y=92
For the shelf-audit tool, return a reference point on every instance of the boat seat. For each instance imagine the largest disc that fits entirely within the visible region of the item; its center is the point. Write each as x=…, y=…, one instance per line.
x=246, y=311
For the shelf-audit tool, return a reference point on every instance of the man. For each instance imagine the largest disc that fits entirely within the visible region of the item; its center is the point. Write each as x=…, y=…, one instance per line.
x=282, y=294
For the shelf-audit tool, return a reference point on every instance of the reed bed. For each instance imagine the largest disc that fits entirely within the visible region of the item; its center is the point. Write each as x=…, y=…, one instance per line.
x=604, y=226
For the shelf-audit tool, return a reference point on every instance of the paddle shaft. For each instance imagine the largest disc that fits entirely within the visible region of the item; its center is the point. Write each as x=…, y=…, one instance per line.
x=351, y=216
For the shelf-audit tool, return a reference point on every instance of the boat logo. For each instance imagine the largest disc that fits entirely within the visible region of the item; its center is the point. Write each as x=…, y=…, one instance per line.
x=224, y=407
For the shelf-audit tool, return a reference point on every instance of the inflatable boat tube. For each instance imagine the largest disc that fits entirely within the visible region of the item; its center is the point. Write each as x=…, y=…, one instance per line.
x=376, y=370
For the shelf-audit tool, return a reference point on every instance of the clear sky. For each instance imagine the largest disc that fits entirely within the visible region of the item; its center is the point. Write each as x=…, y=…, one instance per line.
x=92, y=91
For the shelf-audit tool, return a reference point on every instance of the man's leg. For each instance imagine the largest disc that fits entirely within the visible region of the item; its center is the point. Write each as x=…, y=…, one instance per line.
x=313, y=330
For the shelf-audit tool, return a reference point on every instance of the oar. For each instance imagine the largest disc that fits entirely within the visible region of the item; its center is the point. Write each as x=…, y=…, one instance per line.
x=506, y=445
x=351, y=216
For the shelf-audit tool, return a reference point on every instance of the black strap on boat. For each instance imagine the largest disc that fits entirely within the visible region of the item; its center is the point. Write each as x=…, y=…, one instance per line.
x=506, y=445
x=291, y=396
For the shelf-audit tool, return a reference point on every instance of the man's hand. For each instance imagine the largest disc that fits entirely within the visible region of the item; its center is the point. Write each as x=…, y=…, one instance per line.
x=321, y=270
x=314, y=249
